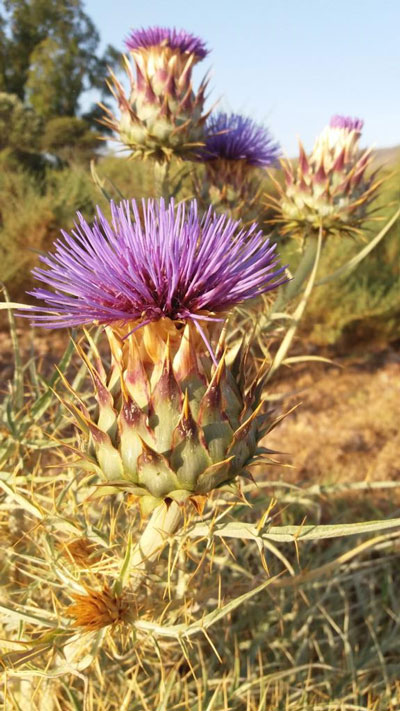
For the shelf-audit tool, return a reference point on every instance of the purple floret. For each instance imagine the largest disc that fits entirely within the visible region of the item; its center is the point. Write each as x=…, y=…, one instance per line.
x=169, y=37
x=235, y=137
x=351, y=124
x=152, y=261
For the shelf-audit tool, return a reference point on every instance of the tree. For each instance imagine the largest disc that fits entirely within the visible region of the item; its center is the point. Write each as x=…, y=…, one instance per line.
x=48, y=54
x=20, y=126
x=70, y=138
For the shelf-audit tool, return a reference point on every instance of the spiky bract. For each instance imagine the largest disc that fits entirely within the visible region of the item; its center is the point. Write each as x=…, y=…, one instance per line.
x=330, y=187
x=169, y=423
x=161, y=116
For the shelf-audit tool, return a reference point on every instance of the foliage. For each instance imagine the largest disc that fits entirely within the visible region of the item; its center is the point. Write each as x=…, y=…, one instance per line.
x=49, y=54
x=69, y=137
x=20, y=125
x=21, y=229
x=32, y=212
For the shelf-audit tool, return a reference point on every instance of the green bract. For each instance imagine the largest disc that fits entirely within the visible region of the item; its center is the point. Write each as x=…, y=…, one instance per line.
x=332, y=187
x=169, y=422
x=161, y=116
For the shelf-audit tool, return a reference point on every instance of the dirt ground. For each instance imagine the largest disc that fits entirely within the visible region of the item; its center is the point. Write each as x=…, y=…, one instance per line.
x=346, y=425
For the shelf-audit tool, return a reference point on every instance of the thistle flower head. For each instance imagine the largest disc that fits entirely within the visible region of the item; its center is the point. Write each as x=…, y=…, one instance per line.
x=234, y=147
x=97, y=609
x=166, y=37
x=161, y=116
x=346, y=122
x=153, y=261
x=234, y=137
x=330, y=186
x=338, y=140
x=173, y=419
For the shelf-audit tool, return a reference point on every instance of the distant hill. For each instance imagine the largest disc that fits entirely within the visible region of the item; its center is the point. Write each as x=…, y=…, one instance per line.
x=387, y=156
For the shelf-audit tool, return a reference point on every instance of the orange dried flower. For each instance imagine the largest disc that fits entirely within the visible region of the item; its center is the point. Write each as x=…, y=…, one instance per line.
x=98, y=609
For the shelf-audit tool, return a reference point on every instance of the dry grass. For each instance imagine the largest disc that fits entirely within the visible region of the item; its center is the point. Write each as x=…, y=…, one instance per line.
x=345, y=428
x=316, y=637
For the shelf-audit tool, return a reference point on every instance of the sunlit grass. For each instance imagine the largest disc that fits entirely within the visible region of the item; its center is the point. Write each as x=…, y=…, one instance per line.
x=321, y=632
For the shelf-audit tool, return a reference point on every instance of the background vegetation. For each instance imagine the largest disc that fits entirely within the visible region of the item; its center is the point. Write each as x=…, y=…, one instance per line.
x=359, y=309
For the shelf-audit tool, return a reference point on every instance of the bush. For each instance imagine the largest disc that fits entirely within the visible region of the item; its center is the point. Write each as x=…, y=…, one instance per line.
x=70, y=138
x=26, y=222
x=20, y=127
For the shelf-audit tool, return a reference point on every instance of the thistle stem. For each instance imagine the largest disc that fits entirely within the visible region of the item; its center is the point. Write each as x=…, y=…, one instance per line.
x=164, y=521
x=161, y=179
x=293, y=287
x=298, y=313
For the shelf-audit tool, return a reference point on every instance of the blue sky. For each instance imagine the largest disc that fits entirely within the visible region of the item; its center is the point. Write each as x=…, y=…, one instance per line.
x=290, y=64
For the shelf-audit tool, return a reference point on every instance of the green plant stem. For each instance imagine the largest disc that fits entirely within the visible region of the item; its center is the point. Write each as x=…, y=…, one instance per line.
x=293, y=288
x=163, y=522
x=161, y=179
x=290, y=333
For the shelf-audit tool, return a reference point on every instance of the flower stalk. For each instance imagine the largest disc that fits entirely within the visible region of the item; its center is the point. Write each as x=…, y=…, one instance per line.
x=313, y=258
x=292, y=289
x=161, y=179
x=163, y=522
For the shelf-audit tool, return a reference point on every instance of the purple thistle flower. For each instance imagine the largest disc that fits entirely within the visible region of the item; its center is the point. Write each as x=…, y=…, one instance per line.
x=347, y=122
x=235, y=137
x=161, y=261
x=167, y=37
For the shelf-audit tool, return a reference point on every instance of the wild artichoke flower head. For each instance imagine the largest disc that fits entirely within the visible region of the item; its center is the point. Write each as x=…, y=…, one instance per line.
x=346, y=123
x=329, y=187
x=153, y=261
x=174, y=419
x=161, y=116
x=156, y=45
x=233, y=137
x=339, y=140
x=234, y=147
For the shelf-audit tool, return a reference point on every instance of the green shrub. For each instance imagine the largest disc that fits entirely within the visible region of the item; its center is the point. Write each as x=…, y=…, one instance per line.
x=26, y=222
x=20, y=126
x=70, y=137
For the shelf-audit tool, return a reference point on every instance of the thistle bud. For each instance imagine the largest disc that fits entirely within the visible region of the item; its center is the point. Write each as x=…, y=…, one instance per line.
x=161, y=116
x=175, y=418
x=234, y=151
x=330, y=187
